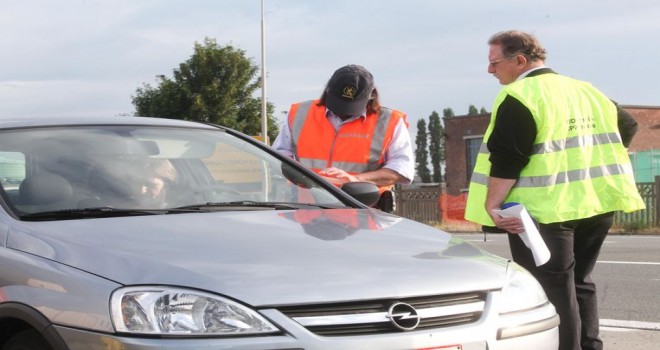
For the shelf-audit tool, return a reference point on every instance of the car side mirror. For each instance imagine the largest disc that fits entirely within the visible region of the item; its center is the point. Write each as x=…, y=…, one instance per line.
x=365, y=192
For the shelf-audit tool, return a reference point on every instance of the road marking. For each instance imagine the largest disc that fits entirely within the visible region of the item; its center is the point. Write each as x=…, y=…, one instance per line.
x=651, y=326
x=617, y=329
x=629, y=262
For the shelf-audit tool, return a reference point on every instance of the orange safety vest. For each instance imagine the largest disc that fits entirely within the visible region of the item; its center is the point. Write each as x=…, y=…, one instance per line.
x=358, y=146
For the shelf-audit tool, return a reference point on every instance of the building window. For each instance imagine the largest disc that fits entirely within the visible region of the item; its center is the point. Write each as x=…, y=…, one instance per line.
x=472, y=146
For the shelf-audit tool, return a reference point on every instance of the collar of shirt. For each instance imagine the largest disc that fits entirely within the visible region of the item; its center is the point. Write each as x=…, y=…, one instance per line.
x=336, y=121
x=529, y=71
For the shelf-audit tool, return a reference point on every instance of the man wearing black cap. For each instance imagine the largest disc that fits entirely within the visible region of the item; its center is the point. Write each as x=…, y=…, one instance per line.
x=347, y=136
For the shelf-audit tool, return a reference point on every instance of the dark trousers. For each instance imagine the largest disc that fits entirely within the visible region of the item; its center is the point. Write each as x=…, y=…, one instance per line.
x=386, y=202
x=566, y=278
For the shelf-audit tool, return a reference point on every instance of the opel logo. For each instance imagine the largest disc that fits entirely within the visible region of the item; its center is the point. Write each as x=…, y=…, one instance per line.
x=403, y=316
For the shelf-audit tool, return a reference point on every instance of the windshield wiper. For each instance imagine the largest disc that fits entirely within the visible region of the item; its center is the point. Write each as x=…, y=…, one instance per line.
x=106, y=212
x=96, y=212
x=253, y=205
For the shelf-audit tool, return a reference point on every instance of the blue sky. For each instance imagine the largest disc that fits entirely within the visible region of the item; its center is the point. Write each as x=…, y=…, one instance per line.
x=87, y=57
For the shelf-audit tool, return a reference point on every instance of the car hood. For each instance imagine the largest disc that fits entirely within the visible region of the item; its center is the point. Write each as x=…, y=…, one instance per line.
x=269, y=257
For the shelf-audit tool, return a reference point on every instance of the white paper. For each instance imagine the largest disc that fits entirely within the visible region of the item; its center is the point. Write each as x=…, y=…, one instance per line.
x=531, y=236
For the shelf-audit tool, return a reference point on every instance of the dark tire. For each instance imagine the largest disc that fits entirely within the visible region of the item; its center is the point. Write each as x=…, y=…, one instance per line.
x=27, y=340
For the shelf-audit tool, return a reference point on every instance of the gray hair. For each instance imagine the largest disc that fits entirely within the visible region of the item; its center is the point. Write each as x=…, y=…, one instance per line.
x=516, y=42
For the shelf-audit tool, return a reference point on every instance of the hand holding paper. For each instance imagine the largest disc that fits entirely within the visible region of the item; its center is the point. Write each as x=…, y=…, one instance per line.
x=531, y=236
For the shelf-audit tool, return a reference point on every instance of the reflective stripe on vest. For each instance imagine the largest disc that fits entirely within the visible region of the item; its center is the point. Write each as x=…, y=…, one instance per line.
x=566, y=176
x=572, y=142
x=562, y=177
x=350, y=167
x=296, y=126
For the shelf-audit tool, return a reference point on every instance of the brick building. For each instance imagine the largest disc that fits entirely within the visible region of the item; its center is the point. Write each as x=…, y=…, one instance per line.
x=464, y=135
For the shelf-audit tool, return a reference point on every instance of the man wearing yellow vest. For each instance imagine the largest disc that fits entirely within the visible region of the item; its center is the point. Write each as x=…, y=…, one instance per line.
x=557, y=146
x=347, y=136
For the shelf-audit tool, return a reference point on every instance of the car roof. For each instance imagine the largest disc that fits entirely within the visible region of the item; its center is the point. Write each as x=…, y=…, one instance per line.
x=8, y=123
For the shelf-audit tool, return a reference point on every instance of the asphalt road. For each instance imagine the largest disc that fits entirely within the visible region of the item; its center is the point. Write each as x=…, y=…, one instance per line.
x=627, y=276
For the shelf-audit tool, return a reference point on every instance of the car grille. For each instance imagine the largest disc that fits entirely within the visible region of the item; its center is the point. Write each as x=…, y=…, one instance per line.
x=373, y=317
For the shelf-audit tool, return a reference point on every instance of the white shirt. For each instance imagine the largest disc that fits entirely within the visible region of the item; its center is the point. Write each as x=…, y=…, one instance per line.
x=526, y=73
x=398, y=156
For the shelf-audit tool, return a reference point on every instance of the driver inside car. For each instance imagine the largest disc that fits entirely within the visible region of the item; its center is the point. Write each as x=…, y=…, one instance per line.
x=160, y=175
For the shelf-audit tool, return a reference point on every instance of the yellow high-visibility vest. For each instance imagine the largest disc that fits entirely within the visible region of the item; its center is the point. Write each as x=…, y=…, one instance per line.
x=578, y=168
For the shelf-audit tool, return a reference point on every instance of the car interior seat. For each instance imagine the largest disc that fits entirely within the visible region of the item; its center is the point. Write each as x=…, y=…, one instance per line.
x=44, y=191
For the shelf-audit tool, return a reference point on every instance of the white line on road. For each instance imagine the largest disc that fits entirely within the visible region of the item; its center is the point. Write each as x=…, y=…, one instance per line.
x=651, y=326
x=629, y=262
x=617, y=329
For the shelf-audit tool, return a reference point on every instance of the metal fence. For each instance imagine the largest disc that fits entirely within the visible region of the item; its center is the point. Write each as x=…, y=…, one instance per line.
x=418, y=203
x=649, y=217
x=425, y=203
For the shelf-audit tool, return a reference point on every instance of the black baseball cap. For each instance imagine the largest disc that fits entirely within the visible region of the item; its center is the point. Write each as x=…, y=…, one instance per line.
x=349, y=90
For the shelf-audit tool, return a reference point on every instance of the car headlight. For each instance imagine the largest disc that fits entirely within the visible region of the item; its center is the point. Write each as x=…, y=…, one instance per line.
x=176, y=311
x=521, y=290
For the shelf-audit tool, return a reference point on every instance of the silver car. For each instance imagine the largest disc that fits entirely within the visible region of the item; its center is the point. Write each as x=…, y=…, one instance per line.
x=143, y=233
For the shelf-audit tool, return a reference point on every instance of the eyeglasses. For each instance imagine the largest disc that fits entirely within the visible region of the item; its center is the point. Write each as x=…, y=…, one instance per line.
x=495, y=62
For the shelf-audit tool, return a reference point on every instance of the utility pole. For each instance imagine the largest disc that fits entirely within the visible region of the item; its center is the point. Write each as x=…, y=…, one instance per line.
x=264, y=109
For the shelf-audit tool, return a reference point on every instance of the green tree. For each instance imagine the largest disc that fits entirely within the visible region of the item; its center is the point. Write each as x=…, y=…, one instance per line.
x=422, y=153
x=448, y=112
x=215, y=85
x=483, y=110
x=436, y=145
x=472, y=110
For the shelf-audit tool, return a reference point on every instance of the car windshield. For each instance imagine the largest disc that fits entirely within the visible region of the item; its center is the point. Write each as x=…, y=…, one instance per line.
x=146, y=169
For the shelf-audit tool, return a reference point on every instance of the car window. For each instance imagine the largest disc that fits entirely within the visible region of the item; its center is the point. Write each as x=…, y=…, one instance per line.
x=140, y=167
